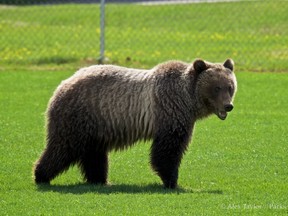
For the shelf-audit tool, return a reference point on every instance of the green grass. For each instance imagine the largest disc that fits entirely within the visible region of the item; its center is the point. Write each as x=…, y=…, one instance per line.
x=236, y=166
x=253, y=33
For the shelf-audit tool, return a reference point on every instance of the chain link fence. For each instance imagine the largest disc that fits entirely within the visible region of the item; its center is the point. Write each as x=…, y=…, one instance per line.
x=47, y=34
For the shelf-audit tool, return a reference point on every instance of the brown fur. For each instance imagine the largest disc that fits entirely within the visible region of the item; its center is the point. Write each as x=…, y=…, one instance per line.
x=103, y=108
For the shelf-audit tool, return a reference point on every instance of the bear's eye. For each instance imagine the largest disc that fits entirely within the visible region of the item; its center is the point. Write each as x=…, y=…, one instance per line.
x=217, y=89
x=230, y=90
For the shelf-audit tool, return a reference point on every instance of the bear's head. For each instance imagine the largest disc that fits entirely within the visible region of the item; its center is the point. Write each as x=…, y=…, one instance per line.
x=216, y=86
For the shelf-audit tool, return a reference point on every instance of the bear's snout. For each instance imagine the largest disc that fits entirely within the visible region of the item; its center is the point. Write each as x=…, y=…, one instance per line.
x=228, y=107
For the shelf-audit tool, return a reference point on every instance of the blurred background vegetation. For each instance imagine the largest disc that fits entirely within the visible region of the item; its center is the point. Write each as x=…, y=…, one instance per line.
x=60, y=35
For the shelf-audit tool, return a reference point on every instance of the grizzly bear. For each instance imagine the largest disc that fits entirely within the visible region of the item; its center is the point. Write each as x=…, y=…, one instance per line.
x=104, y=107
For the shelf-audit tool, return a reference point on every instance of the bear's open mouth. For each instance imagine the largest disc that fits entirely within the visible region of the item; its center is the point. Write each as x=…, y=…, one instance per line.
x=222, y=115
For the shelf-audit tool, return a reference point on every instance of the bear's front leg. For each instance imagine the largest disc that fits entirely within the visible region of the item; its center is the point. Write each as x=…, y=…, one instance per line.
x=166, y=154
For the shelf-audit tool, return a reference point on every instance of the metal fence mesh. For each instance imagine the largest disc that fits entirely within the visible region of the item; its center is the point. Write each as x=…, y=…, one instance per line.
x=65, y=34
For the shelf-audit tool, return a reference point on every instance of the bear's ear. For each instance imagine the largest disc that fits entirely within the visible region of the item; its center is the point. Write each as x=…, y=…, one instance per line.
x=199, y=65
x=229, y=64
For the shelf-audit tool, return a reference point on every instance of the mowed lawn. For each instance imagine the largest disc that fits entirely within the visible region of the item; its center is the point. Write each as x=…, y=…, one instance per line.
x=234, y=166
x=253, y=33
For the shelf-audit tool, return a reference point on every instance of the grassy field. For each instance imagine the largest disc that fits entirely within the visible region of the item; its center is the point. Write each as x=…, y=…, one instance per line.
x=63, y=36
x=233, y=167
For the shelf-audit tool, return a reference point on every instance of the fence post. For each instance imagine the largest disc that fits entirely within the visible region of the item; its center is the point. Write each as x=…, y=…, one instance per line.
x=102, y=32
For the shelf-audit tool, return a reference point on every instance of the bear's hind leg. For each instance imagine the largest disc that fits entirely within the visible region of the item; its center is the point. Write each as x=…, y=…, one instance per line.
x=94, y=166
x=51, y=163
